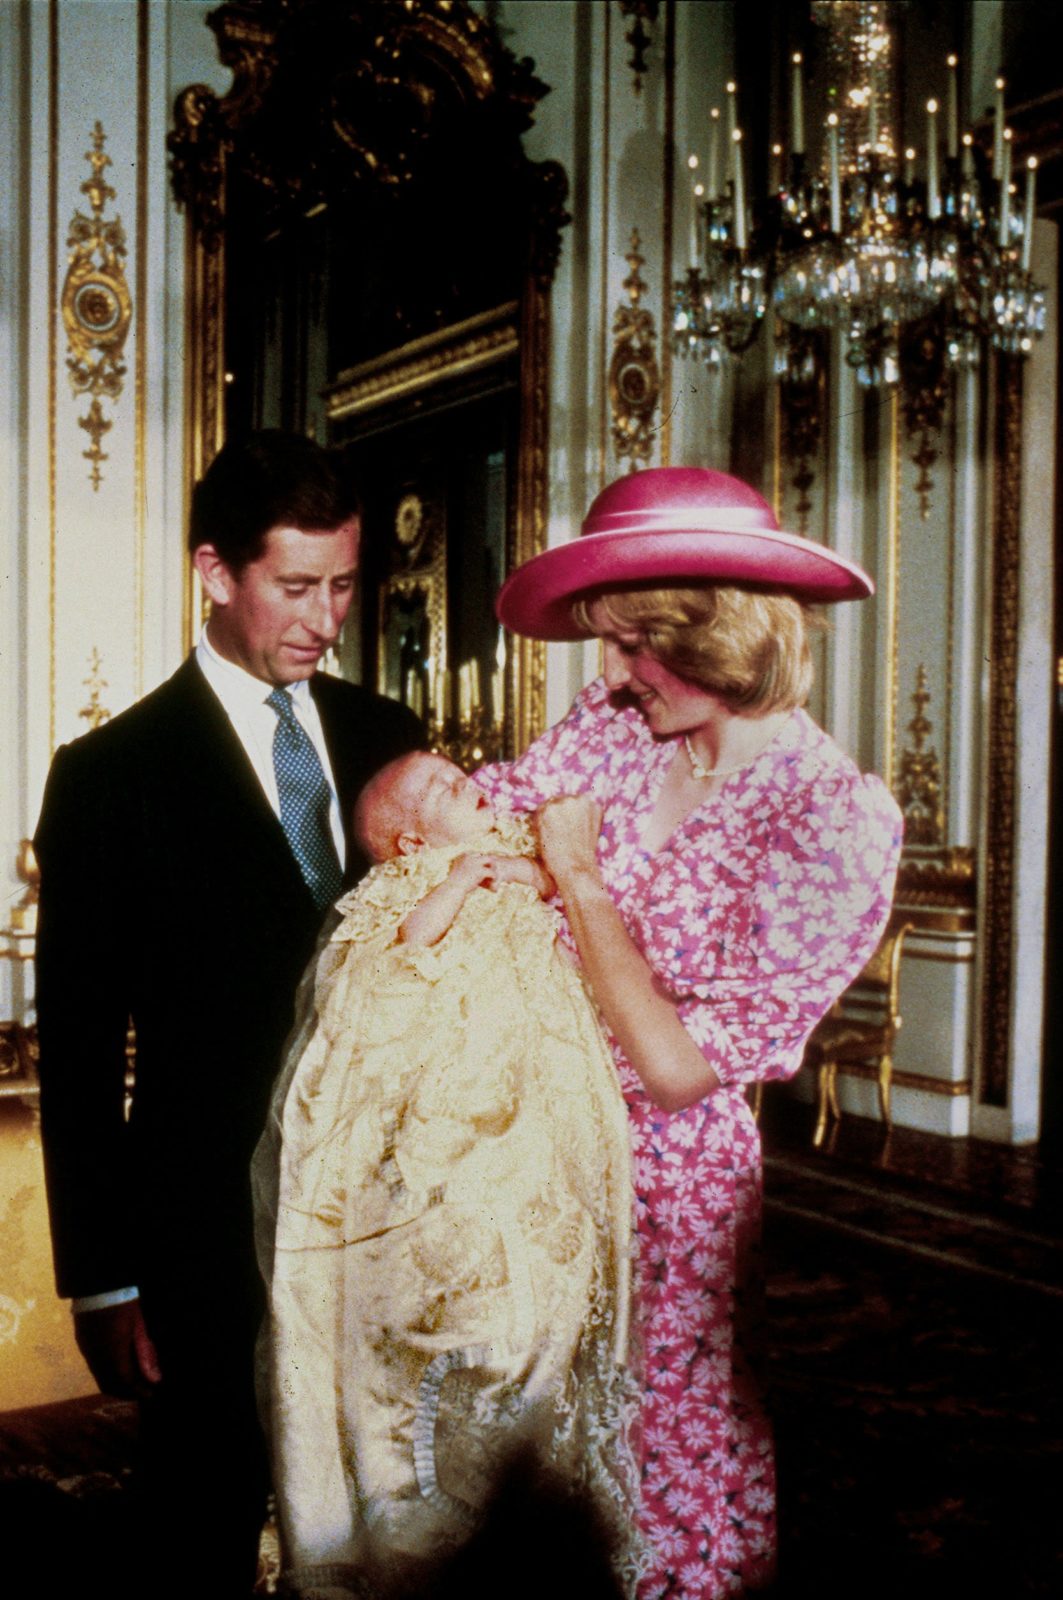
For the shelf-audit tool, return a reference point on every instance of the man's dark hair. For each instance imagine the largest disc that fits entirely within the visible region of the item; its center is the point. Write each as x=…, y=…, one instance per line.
x=265, y=480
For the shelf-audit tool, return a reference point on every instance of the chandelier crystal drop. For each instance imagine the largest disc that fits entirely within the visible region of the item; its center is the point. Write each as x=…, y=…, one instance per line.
x=860, y=242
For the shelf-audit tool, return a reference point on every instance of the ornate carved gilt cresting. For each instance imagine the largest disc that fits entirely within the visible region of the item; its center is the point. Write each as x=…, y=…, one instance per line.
x=369, y=252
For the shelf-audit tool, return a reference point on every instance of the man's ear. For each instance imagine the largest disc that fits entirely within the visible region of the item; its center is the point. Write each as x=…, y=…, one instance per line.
x=215, y=574
x=407, y=843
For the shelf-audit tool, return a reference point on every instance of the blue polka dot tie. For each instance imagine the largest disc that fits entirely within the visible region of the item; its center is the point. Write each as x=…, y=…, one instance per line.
x=305, y=799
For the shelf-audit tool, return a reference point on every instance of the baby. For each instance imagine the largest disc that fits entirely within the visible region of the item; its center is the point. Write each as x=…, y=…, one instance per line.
x=443, y=1198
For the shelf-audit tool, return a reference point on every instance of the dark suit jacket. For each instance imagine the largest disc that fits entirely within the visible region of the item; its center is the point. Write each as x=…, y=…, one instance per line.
x=169, y=895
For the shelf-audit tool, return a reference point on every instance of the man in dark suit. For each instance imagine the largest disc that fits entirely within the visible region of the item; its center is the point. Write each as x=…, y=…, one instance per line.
x=189, y=850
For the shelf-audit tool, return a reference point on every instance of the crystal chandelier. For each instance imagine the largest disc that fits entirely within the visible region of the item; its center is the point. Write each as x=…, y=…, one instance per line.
x=860, y=241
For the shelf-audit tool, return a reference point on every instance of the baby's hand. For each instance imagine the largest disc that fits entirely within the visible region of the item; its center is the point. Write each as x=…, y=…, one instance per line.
x=475, y=871
x=520, y=869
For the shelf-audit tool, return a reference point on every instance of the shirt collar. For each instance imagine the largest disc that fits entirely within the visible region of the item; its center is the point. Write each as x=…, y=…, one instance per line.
x=234, y=685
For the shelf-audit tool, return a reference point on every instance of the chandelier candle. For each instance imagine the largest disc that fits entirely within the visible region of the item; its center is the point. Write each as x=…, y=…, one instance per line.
x=1005, y=192
x=739, y=192
x=933, y=189
x=712, y=167
x=998, y=130
x=952, y=121
x=1027, y=226
x=797, y=109
x=835, y=175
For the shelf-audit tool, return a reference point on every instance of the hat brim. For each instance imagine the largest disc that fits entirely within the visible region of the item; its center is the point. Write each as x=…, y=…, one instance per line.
x=536, y=600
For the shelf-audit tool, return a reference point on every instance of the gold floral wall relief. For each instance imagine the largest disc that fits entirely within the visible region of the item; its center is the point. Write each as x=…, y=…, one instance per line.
x=96, y=305
x=94, y=712
x=919, y=785
x=634, y=377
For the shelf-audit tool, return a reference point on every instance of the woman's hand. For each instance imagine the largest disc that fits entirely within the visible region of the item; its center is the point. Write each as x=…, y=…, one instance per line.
x=568, y=831
x=644, y=1020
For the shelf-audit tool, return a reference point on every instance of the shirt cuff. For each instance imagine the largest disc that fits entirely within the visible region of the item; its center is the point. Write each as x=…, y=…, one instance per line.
x=100, y=1302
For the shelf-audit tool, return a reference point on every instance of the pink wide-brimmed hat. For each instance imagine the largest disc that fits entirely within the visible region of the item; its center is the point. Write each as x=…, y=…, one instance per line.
x=672, y=526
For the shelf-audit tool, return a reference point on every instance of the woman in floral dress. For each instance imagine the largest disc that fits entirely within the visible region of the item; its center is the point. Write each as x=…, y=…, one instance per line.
x=725, y=871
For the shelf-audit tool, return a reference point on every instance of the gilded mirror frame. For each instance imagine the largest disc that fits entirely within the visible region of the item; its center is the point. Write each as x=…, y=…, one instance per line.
x=396, y=44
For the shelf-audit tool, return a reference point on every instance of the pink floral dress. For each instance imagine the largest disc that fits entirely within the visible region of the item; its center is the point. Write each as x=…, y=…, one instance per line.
x=764, y=903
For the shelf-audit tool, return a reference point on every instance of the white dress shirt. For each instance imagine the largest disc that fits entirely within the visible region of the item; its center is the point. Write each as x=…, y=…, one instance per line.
x=243, y=698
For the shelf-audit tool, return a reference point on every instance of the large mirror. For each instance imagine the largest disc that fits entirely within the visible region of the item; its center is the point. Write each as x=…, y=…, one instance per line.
x=370, y=255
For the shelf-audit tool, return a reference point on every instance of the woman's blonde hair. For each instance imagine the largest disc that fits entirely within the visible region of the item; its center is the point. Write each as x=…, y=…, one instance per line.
x=748, y=646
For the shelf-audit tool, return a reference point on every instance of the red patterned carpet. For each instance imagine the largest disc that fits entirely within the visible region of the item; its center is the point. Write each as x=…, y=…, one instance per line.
x=915, y=1324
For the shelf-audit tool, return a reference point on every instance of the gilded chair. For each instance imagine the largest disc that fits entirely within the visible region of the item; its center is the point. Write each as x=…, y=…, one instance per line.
x=860, y=1027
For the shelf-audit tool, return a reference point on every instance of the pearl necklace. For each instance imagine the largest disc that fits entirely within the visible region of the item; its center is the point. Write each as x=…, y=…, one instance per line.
x=698, y=769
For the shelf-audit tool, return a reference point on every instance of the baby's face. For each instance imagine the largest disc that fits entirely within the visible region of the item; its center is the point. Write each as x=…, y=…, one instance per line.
x=444, y=806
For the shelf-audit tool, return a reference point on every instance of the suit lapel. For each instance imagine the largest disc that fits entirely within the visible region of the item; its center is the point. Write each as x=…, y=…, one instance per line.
x=222, y=784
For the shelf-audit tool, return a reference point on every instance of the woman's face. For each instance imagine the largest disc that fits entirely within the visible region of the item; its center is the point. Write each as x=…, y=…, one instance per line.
x=670, y=704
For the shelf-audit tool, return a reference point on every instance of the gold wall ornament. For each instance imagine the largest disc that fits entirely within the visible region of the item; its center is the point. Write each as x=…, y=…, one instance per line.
x=926, y=387
x=95, y=713
x=919, y=783
x=96, y=304
x=638, y=36
x=634, y=377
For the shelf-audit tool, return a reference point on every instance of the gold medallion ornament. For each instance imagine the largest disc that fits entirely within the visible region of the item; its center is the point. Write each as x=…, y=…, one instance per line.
x=96, y=304
x=634, y=377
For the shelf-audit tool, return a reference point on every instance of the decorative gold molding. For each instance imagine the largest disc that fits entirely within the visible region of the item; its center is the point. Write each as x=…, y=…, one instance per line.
x=634, y=377
x=95, y=713
x=997, y=986
x=941, y=877
x=951, y=1088
x=945, y=958
x=96, y=304
x=638, y=36
x=937, y=888
x=919, y=784
x=450, y=353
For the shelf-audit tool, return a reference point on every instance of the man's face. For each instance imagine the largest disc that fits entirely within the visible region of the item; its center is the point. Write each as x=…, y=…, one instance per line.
x=279, y=614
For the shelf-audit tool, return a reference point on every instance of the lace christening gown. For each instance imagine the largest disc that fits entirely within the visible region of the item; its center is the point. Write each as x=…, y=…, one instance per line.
x=443, y=1196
